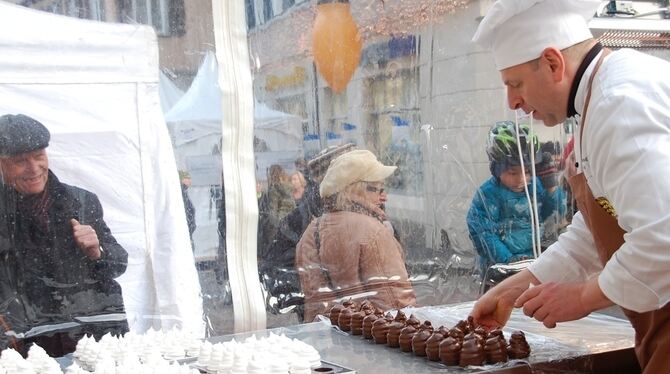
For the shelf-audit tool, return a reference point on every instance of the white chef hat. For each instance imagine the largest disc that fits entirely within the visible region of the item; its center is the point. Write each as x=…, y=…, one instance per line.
x=517, y=31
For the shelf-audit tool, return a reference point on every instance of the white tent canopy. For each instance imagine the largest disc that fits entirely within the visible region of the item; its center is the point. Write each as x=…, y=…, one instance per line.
x=169, y=92
x=95, y=86
x=198, y=114
x=195, y=126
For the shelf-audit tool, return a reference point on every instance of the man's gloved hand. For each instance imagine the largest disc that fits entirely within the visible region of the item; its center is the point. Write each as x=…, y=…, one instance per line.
x=547, y=172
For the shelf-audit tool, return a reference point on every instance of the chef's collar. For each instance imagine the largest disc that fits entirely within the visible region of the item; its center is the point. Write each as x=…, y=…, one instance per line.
x=590, y=56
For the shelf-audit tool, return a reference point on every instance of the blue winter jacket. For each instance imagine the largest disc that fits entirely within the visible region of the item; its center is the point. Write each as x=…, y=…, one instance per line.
x=499, y=220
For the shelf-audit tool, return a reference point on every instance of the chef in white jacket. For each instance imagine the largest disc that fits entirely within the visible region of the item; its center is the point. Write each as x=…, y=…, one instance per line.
x=617, y=249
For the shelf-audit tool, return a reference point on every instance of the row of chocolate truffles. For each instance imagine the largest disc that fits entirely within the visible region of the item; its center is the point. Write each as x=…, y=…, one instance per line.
x=464, y=344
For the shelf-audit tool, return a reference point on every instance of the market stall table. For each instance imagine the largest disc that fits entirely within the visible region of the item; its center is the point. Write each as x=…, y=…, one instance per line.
x=597, y=343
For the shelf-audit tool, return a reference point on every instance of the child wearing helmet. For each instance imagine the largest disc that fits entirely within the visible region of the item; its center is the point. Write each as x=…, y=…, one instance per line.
x=499, y=219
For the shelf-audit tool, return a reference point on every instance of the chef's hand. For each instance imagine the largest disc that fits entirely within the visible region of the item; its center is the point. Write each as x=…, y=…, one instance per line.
x=86, y=239
x=494, y=308
x=551, y=302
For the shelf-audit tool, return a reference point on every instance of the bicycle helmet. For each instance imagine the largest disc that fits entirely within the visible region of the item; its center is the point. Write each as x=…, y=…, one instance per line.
x=502, y=149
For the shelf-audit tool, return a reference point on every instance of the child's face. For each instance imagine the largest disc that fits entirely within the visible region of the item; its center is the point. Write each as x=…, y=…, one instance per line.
x=512, y=178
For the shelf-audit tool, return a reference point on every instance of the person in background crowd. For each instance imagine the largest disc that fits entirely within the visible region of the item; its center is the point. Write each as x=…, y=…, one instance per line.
x=274, y=205
x=58, y=258
x=185, y=179
x=298, y=183
x=499, y=218
x=348, y=252
x=569, y=170
x=550, y=177
x=615, y=251
x=277, y=261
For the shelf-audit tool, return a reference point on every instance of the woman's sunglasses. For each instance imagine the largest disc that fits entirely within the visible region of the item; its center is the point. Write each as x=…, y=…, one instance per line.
x=374, y=189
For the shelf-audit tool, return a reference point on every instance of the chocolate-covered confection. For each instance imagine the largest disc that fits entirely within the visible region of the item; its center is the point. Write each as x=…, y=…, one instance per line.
x=498, y=333
x=463, y=326
x=406, y=335
x=433, y=344
x=380, y=329
x=472, y=353
x=357, y=320
x=450, y=351
x=481, y=332
x=518, y=346
x=474, y=336
x=413, y=321
x=394, y=329
x=471, y=324
x=368, y=321
x=335, y=314
x=419, y=339
x=495, y=350
x=366, y=304
x=344, y=320
x=349, y=304
x=457, y=334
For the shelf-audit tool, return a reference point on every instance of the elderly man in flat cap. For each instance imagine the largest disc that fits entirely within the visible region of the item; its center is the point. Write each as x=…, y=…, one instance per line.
x=617, y=249
x=58, y=257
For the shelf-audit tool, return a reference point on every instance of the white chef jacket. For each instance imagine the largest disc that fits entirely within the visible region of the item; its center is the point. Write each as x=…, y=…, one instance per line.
x=626, y=159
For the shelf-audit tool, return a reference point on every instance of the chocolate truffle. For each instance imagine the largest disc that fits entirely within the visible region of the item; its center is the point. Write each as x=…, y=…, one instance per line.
x=405, y=339
x=433, y=344
x=472, y=353
x=450, y=351
x=474, y=336
x=457, y=334
x=366, y=304
x=344, y=320
x=471, y=324
x=335, y=314
x=420, y=338
x=413, y=321
x=481, y=332
x=498, y=333
x=368, y=321
x=349, y=304
x=357, y=320
x=463, y=326
x=518, y=346
x=394, y=329
x=495, y=350
x=380, y=329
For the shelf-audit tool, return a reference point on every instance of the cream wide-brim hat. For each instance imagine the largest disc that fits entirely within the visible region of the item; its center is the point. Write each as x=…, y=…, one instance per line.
x=352, y=167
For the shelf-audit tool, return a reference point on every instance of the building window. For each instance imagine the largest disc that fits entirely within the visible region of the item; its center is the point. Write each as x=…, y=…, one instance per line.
x=287, y=4
x=86, y=9
x=251, y=13
x=295, y=105
x=166, y=16
x=393, y=123
x=268, y=11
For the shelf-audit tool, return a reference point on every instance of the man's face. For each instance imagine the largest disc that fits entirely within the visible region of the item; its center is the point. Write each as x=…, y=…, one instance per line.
x=513, y=178
x=532, y=88
x=26, y=172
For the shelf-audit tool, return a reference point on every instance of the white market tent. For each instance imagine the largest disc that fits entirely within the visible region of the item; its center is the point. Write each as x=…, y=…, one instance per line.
x=95, y=86
x=170, y=94
x=194, y=123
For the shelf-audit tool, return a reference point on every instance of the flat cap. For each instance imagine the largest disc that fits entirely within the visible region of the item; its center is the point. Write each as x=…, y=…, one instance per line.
x=21, y=134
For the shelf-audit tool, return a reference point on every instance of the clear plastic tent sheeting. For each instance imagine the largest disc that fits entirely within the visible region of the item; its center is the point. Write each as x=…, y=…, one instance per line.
x=95, y=87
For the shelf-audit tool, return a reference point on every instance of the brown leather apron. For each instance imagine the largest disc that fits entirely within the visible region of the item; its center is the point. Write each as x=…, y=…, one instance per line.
x=652, y=329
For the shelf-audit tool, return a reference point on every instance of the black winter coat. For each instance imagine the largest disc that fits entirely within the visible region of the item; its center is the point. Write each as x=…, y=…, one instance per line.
x=45, y=278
